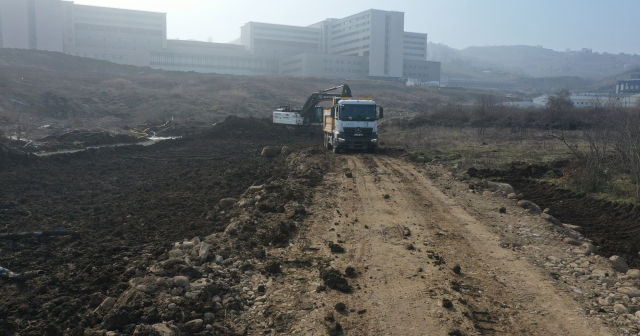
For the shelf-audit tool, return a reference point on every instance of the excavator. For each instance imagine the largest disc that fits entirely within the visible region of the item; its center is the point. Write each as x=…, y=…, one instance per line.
x=310, y=114
x=348, y=124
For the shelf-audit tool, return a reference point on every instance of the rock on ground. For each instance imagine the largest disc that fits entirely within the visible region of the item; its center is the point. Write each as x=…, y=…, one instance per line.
x=270, y=151
x=619, y=264
x=532, y=207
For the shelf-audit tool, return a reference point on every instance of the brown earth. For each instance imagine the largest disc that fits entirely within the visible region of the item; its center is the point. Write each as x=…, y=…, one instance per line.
x=39, y=88
x=349, y=245
x=423, y=263
x=127, y=205
x=614, y=227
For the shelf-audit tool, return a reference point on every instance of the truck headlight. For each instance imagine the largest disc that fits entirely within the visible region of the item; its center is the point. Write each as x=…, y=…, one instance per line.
x=374, y=140
x=340, y=139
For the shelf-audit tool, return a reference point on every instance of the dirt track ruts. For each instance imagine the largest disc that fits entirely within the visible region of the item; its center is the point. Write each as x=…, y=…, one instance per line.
x=405, y=279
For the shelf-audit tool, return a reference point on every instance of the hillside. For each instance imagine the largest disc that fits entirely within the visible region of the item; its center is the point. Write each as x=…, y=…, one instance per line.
x=607, y=83
x=43, y=88
x=531, y=61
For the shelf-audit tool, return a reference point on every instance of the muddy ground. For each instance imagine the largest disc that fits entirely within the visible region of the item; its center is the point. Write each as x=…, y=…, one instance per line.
x=127, y=206
x=272, y=245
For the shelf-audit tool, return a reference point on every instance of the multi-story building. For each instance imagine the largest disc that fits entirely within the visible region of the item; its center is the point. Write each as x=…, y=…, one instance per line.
x=371, y=44
x=121, y=36
x=31, y=24
x=211, y=57
x=278, y=41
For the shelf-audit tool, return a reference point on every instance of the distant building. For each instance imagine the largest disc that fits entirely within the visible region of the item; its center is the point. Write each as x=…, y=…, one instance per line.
x=417, y=82
x=541, y=100
x=628, y=86
x=522, y=104
x=121, y=36
x=24, y=25
x=370, y=44
x=595, y=99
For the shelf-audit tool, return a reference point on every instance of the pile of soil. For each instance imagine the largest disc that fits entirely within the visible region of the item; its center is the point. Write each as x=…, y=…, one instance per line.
x=614, y=227
x=247, y=128
x=128, y=205
x=519, y=170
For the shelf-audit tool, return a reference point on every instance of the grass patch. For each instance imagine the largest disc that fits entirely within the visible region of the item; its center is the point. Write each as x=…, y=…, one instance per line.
x=490, y=148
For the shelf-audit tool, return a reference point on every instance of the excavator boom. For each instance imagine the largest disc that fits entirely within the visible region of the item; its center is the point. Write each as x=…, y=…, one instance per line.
x=308, y=110
x=307, y=115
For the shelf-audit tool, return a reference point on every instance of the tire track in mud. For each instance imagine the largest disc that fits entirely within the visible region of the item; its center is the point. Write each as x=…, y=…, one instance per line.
x=404, y=247
x=508, y=288
x=481, y=314
x=391, y=278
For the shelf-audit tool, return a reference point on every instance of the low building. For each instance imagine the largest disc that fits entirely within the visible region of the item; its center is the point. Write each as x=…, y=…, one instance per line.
x=522, y=104
x=628, y=86
x=541, y=100
x=417, y=82
x=324, y=65
x=422, y=70
x=595, y=99
x=211, y=58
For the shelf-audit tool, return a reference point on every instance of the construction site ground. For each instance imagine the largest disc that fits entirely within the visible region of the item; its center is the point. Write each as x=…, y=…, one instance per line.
x=297, y=242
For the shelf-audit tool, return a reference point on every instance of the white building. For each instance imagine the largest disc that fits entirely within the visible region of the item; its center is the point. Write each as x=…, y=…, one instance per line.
x=23, y=25
x=372, y=43
x=279, y=41
x=593, y=100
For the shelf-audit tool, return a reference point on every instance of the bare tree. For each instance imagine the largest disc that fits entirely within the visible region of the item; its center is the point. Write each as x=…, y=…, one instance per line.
x=592, y=172
x=559, y=102
x=627, y=143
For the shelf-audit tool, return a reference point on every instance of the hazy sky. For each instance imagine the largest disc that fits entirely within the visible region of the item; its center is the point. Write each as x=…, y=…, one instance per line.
x=603, y=25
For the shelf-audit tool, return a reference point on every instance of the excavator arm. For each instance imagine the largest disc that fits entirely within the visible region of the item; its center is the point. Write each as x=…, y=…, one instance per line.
x=308, y=110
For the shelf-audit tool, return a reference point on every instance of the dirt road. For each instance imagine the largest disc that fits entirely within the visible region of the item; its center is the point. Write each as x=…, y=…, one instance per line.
x=424, y=265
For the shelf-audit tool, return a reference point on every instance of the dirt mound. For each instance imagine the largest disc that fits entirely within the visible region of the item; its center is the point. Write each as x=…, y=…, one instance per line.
x=614, y=227
x=10, y=157
x=516, y=170
x=333, y=279
x=129, y=204
x=247, y=128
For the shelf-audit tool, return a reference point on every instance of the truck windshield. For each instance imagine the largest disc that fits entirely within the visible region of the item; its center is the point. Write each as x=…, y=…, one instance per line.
x=358, y=112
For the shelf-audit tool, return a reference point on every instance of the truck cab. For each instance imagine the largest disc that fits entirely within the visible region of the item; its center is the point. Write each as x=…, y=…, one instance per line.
x=352, y=124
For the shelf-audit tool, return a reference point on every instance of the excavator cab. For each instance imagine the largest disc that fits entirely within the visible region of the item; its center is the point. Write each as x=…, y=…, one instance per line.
x=318, y=115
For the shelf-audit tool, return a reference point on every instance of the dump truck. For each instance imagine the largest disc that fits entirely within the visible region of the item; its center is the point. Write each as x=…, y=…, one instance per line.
x=349, y=123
